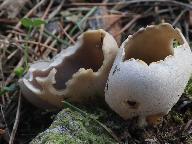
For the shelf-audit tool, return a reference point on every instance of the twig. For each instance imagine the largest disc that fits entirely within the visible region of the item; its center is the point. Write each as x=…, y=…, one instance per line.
x=42, y=26
x=51, y=15
x=3, y=78
x=107, y=16
x=8, y=21
x=186, y=26
x=56, y=11
x=47, y=33
x=76, y=35
x=12, y=75
x=36, y=43
x=79, y=9
x=178, y=17
x=172, y=15
x=27, y=15
x=173, y=2
x=189, y=123
x=48, y=40
x=3, y=115
x=12, y=54
x=15, y=29
x=79, y=23
x=15, y=126
x=128, y=25
x=22, y=49
x=68, y=36
x=47, y=51
x=18, y=33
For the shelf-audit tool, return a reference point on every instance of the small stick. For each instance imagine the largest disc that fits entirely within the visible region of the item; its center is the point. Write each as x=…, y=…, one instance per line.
x=107, y=16
x=80, y=22
x=65, y=32
x=47, y=33
x=173, y=2
x=76, y=35
x=189, y=123
x=31, y=51
x=54, y=42
x=15, y=126
x=171, y=12
x=47, y=52
x=18, y=33
x=11, y=76
x=42, y=26
x=12, y=54
x=51, y=15
x=27, y=15
x=19, y=23
x=178, y=17
x=186, y=26
x=128, y=25
x=8, y=21
x=3, y=78
x=55, y=12
x=48, y=40
x=3, y=115
x=37, y=43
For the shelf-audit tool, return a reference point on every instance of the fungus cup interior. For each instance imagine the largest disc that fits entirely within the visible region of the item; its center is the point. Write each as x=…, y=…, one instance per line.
x=152, y=44
x=88, y=56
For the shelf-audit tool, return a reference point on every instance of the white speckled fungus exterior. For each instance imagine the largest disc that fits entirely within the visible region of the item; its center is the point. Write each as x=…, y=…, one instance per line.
x=149, y=75
x=77, y=74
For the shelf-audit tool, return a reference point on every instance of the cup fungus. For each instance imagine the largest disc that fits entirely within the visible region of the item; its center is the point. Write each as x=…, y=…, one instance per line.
x=77, y=73
x=149, y=75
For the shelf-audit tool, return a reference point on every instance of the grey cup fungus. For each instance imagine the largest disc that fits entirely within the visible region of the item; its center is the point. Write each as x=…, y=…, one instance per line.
x=77, y=73
x=149, y=75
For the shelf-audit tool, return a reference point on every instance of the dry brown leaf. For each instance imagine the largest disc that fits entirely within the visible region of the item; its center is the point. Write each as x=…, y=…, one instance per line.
x=109, y=22
x=113, y=26
x=2, y=131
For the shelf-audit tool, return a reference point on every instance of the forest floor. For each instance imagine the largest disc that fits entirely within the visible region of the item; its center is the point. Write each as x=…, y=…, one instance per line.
x=56, y=25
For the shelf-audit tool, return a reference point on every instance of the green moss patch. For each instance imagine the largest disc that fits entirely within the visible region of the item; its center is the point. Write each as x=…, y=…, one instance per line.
x=71, y=127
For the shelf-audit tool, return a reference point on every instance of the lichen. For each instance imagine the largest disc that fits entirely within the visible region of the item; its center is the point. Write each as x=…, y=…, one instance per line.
x=71, y=127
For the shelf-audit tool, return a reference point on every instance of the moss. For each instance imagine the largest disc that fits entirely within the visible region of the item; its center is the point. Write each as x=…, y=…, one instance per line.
x=180, y=118
x=175, y=43
x=72, y=127
x=188, y=89
x=177, y=118
x=188, y=114
x=75, y=126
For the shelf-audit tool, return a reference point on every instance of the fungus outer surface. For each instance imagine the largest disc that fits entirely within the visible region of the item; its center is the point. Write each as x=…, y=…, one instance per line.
x=151, y=72
x=76, y=73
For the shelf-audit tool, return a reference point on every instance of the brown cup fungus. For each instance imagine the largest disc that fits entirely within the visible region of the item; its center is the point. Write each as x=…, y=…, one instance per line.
x=76, y=74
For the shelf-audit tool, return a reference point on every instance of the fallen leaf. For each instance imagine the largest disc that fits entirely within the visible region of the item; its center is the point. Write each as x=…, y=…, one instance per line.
x=2, y=131
x=109, y=22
